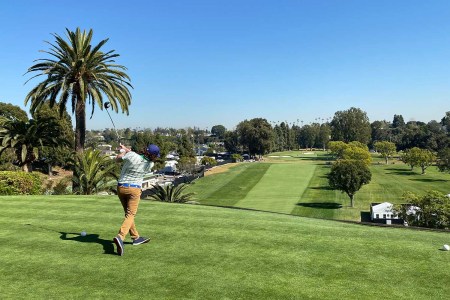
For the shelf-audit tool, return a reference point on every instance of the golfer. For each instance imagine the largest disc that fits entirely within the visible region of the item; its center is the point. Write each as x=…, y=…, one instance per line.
x=135, y=166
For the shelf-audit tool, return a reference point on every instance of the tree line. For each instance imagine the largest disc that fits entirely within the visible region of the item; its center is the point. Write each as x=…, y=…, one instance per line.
x=80, y=77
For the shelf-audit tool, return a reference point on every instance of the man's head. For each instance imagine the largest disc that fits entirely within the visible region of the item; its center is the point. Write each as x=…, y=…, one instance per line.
x=152, y=152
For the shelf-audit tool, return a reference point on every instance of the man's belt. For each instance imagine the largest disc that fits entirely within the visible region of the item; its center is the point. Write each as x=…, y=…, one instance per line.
x=129, y=185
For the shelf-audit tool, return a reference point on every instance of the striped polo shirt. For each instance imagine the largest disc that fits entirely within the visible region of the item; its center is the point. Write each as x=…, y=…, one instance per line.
x=134, y=168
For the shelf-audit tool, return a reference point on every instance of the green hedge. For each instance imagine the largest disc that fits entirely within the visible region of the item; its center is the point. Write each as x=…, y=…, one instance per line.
x=20, y=183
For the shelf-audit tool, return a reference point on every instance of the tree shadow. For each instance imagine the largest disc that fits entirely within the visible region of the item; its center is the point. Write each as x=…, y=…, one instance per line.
x=401, y=172
x=429, y=180
x=325, y=188
x=321, y=205
x=108, y=245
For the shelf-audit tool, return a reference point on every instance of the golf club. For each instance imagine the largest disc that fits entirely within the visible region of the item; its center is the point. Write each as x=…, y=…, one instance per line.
x=107, y=105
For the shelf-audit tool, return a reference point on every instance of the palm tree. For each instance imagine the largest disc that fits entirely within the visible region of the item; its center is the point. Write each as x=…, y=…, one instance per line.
x=96, y=172
x=171, y=193
x=81, y=74
x=28, y=137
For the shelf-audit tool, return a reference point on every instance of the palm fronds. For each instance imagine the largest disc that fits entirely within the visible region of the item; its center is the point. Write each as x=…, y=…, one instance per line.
x=171, y=193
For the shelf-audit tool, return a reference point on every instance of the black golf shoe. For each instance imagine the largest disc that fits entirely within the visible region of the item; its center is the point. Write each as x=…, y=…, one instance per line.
x=140, y=240
x=119, y=244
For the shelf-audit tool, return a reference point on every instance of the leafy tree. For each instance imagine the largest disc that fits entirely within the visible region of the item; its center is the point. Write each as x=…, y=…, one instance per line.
x=408, y=157
x=414, y=134
x=435, y=136
x=97, y=172
x=445, y=121
x=218, y=131
x=185, y=147
x=79, y=73
x=208, y=161
x=381, y=131
x=360, y=145
x=57, y=156
x=443, y=161
x=309, y=135
x=324, y=135
x=186, y=164
x=433, y=210
x=354, y=152
x=419, y=157
x=231, y=141
x=12, y=112
x=279, y=139
x=349, y=176
x=386, y=149
x=398, y=121
x=337, y=148
x=351, y=125
x=256, y=135
x=171, y=193
x=27, y=137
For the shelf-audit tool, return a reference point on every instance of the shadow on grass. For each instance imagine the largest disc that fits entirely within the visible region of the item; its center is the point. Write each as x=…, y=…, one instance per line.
x=325, y=188
x=322, y=205
x=108, y=245
x=429, y=180
x=402, y=172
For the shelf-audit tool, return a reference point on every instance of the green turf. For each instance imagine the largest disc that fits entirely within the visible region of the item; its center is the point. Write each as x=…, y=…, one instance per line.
x=296, y=183
x=204, y=252
x=280, y=189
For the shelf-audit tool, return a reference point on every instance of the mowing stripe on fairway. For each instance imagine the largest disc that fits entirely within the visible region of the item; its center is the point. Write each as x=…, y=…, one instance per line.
x=280, y=188
x=238, y=187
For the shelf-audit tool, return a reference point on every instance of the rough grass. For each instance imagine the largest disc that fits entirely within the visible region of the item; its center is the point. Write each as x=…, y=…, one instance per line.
x=204, y=252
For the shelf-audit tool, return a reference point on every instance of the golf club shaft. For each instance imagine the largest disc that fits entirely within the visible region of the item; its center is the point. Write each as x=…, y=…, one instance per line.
x=118, y=137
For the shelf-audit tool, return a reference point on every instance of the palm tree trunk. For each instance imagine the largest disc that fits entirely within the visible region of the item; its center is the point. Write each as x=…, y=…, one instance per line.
x=80, y=132
x=80, y=125
x=27, y=167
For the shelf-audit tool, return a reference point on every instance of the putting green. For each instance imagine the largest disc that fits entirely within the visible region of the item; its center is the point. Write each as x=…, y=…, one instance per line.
x=280, y=188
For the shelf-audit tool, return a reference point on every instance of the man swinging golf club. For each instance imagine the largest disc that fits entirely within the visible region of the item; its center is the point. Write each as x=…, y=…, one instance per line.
x=134, y=168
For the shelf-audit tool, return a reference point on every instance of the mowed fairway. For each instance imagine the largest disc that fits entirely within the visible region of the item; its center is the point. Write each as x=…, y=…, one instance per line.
x=205, y=252
x=275, y=187
x=296, y=183
x=279, y=189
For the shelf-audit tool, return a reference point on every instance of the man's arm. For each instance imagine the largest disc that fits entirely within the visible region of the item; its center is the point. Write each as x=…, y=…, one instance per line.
x=123, y=150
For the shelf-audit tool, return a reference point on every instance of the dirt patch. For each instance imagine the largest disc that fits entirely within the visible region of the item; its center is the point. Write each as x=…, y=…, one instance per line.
x=220, y=169
x=57, y=175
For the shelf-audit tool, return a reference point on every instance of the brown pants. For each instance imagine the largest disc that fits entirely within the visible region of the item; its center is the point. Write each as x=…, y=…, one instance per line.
x=129, y=197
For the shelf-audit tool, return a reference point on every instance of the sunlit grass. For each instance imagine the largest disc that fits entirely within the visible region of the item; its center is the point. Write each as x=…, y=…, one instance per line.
x=204, y=252
x=273, y=184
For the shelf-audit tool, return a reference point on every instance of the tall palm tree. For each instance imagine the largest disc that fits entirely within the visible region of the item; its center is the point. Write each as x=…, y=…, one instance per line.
x=81, y=74
x=28, y=137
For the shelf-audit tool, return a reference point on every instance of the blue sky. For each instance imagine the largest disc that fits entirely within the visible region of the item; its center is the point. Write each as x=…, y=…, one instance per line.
x=204, y=63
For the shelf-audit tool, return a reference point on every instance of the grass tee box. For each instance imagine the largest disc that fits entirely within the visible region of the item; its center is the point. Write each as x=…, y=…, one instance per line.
x=205, y=252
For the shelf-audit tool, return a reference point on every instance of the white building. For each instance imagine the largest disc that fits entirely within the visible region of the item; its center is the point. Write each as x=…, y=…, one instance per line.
x=170, y=166
x=384, y=213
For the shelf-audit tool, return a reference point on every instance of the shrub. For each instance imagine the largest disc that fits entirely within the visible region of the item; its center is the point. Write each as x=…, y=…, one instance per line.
x=208, y=161
x=62, y=187
x=171, y=193
x=236, y=157
x=20, y=183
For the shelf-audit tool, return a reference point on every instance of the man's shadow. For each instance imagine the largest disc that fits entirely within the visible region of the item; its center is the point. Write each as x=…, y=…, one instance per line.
x=108, y=245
